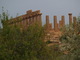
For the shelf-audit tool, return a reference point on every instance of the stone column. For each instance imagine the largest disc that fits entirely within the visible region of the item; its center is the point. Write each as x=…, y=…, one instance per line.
x=26, y=22
x=21, y=23
x=55, y=23
x=40, y=18
x=37, y=19
x=63, y=21
x=29, y=21
x=47, y=21
x=70, y=19
x=74, y=22
x=33, y=19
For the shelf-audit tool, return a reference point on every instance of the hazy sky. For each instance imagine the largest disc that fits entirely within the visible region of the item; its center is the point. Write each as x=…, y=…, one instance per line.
x=47, y=7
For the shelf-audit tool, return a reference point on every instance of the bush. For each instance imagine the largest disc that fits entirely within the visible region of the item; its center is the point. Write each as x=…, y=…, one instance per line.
x=71, y=42
x=17, y=45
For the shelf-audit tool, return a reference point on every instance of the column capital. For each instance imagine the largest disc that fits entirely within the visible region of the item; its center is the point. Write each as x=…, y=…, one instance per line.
x=70, y=14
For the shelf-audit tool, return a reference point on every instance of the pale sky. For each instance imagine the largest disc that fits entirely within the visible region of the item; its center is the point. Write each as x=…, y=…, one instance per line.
x=47, y=7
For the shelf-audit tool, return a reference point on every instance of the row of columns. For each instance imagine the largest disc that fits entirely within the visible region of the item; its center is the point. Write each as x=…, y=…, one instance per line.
x=28, y=19
x=61, y=23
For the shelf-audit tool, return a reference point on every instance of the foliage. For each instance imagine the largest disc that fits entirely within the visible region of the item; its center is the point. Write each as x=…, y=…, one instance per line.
x=17, y=45
x=71, y=42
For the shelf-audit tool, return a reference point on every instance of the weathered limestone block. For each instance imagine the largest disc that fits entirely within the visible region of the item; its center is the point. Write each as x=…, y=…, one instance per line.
x=29, y=12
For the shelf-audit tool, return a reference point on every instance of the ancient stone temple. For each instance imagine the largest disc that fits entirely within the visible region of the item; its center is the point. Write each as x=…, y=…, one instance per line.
x=31, y=17
x=27, y=19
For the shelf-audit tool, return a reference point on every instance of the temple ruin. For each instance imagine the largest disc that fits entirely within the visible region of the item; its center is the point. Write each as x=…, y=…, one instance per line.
x=32, y=17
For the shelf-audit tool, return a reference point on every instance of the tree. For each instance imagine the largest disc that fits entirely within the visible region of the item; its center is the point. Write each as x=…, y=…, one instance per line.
x=25, y=45
x=71, y=42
